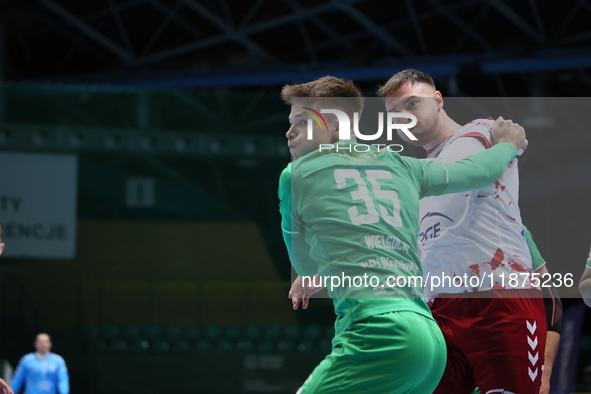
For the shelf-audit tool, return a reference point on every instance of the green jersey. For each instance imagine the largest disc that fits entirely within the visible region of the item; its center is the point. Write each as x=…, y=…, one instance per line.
x=537, y=261
x=350, y=214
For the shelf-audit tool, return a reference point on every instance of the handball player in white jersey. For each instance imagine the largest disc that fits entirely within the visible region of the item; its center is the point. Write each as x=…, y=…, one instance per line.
x=472, y=244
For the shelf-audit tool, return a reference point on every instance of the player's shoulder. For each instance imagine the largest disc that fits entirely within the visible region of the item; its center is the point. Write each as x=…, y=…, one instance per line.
x=57, y=358
x=408, y=162
x=286, y=173
x=482, y=122
x=479, y=126
x=285, y=177
x=28, y=357
x=284, y=184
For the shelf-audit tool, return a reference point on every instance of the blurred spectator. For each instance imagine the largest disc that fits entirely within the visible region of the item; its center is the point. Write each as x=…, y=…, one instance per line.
x=41, y=372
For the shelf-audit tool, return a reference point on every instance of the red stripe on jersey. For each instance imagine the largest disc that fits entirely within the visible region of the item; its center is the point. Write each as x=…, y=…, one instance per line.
x=497, y=259
x=478, y=135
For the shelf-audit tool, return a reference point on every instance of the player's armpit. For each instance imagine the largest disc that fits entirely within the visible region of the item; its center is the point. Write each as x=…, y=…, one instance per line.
x=473, y=172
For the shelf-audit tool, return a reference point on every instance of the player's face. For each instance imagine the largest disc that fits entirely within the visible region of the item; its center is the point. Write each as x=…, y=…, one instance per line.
x=1, y=247
x=297, y=135
x=423, y=102
x=43, y=343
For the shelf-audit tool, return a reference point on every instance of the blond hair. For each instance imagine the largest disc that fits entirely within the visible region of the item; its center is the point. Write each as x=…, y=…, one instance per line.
x=327, y=87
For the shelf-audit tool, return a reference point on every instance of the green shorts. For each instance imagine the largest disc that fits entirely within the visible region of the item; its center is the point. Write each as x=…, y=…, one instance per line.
x=395, y=352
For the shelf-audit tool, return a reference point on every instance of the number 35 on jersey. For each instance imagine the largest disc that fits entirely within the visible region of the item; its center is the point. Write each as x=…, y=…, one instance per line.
x=386, y=201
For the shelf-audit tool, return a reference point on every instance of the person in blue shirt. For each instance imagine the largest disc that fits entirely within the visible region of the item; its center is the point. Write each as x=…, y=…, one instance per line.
x=41, y=372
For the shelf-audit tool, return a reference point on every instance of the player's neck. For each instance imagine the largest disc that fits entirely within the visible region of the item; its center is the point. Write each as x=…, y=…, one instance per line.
x=42, y=355
x=446, y=128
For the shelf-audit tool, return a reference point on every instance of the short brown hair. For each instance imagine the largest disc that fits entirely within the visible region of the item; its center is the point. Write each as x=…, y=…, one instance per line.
x=327, y=87
x=409, y=75
x=0, y=233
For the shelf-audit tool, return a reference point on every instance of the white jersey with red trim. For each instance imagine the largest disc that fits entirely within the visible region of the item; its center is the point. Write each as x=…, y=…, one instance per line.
x=473, y=241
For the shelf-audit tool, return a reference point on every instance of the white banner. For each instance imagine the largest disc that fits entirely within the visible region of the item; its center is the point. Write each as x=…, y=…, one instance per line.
x=38, y=194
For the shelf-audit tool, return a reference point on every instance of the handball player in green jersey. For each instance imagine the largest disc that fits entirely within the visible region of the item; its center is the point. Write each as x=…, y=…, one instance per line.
x=350, y=210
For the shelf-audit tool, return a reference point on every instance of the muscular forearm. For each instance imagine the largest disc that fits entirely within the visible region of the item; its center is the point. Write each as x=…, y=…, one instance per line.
x=552, y=340
x=480, y=169
x=473, y=172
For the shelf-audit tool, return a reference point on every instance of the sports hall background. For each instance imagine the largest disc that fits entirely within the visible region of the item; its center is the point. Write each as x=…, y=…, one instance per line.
x=182, y=287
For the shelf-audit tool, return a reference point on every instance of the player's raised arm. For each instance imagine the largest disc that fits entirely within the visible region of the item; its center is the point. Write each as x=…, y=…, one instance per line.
x=475, y=171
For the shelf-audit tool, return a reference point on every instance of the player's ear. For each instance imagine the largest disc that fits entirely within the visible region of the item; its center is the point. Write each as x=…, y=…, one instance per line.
x=1, y=248
x=334, y=125
x=438, y=99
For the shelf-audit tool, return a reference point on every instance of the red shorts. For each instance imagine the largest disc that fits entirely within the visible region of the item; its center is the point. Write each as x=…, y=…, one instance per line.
x=494, y=342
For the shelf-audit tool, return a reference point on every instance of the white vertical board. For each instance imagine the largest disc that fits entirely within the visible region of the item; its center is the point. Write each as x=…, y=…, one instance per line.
x=38, y=194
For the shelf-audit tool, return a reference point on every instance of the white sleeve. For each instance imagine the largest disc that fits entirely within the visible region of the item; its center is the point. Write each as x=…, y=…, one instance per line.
x=460, y=149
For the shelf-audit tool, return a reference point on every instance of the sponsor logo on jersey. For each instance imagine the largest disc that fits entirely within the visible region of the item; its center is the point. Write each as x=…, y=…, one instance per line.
x=433, y=231
x=383, y=242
